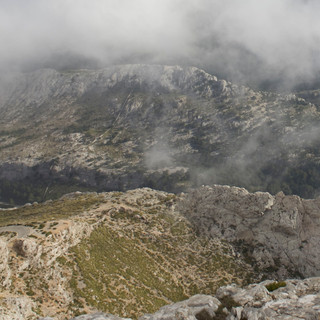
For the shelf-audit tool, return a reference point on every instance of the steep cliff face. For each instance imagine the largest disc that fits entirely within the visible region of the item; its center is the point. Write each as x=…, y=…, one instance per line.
x=278, y=233
x=157, y=126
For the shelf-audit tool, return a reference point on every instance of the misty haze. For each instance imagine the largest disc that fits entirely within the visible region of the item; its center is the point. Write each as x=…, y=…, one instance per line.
x=267, y=43
x=156, y=152
x=247, y=116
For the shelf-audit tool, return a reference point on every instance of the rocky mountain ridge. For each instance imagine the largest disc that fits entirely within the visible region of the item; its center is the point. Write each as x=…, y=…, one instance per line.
x=166, y=127
x=131, y=253
x=125, y=253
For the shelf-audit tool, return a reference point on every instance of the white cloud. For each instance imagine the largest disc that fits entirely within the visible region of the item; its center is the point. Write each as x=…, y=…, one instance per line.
x=240, y=39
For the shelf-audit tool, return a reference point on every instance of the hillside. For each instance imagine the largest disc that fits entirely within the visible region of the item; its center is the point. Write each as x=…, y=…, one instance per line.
x=165, y=127
x=125, y=253
x=131, y=253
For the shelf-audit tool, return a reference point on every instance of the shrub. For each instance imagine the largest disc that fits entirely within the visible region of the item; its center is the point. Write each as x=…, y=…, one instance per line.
x=226, y=302
x=18, y=248
x=275, y=285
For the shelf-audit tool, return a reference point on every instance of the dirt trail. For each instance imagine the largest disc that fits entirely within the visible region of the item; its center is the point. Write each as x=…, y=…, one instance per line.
x=21, y=231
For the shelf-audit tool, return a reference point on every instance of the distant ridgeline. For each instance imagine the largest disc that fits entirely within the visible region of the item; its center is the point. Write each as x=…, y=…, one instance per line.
x=168, y=128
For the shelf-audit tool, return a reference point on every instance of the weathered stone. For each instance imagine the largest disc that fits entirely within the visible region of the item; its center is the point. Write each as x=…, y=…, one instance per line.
x=17, y=308
x=99, y=316
x=5, y=272
x=281, y=234
x=299, y=299
x=198, y=307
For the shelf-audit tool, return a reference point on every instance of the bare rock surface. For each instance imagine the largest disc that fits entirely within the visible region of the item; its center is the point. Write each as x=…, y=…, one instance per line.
x=296, y=299
x=279, y=233
x=17, y=308
x=197, y=307
x=99, y=316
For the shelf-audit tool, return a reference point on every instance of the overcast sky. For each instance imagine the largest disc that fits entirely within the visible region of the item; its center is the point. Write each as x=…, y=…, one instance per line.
x=243, y=40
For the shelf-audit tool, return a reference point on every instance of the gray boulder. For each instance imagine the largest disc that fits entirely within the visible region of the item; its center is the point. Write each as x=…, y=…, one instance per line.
x=298, y=299
x=94, y=316
x=198, y=307
x=99, y=316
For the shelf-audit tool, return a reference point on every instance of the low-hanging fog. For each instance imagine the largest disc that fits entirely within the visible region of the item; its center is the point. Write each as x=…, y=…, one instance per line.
x=268, y=43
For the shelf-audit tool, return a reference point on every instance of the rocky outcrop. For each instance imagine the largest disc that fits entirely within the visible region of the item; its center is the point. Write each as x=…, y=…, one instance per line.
x=95, y=316
x=298, y=299
x=29, y=265
x=280, y=234
x=292, y=299
x=5, y=272
x=197, y=307
x=17, y=308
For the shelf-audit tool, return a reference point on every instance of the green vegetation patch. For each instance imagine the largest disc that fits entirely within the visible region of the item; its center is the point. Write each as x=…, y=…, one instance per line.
x=228, y=303
x=129, y=267
x=57, y=209
x=275, y=285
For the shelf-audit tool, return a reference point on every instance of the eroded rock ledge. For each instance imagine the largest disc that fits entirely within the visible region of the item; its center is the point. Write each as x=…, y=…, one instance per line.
x=279, y=234
x=297, y=299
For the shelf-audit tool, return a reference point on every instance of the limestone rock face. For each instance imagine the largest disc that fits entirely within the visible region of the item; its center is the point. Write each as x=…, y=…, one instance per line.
x=34, y=259
x=95, y=316
x=99, y=316
x=17, y=308
x=5, y=271
x=197, y=307
x=279, y=233
x=297, y=299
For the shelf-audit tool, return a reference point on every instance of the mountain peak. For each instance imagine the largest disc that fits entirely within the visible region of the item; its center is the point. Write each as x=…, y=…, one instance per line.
x=167, y=127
